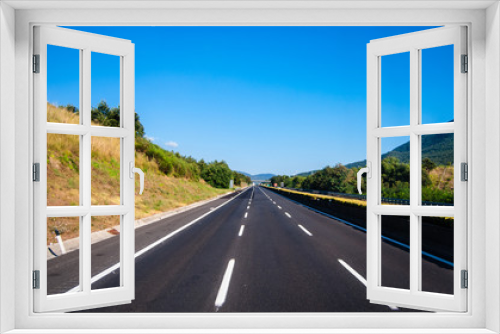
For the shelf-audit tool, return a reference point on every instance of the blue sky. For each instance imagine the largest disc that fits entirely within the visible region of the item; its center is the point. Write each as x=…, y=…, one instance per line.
x=282, y=100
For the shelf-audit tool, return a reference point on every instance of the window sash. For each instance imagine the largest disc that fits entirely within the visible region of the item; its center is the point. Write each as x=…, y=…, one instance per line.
x=86, y=297
x=413, y=43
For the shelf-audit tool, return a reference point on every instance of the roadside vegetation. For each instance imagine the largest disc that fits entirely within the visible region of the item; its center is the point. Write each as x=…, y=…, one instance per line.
x=437, y=180
x=171, y=180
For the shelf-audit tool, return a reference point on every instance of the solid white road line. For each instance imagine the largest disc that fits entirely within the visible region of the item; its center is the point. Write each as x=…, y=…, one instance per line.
x=305, y=231
x=246, y=214
x=151, y=246
x=288, y=215
x=361, y=279
x=221, y=295
x=279, y=207
x=242, y=228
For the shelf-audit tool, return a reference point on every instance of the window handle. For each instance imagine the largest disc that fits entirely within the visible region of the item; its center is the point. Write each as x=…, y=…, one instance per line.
x=368, y=171
x=133, y=170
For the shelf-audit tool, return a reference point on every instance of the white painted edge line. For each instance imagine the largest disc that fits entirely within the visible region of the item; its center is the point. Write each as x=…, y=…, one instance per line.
x=151, y=246
x=288, y=215
x=246, y=214
x=242, y=228
x=361, y=279
x=221, y=295
x=353, y=272
x=279, y=207
x=305, y=230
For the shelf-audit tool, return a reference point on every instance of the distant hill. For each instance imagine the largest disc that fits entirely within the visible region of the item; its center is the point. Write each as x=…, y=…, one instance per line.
x=267, y=176
x=438, y=148
x=261, y=177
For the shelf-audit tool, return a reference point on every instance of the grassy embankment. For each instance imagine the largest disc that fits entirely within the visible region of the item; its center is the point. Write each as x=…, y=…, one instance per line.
x=161, y=192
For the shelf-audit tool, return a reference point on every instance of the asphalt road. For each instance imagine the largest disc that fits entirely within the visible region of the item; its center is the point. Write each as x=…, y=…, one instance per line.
x=286, y=258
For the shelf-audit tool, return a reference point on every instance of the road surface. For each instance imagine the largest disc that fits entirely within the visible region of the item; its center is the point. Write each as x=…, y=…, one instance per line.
x=260, y=252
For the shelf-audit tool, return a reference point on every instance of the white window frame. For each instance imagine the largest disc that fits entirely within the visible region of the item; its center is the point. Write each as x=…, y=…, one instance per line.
x=414, y=43
x=484, y=83
x=85, y=44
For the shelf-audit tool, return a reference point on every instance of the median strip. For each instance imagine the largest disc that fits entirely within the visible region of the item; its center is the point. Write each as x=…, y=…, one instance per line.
x=221, y=295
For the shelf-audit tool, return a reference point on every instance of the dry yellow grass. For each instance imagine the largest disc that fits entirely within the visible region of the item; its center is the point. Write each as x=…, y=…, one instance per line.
x=161, y=192
x=442, y=177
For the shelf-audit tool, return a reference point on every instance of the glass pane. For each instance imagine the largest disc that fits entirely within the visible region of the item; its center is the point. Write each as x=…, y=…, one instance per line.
x=437, y=85
x=437, y=254
x=63, y=85
x=105, y=171
x=395, y=89
x=395, y=252
x=395, y=182
x=63, y=170
x=105, y=90
x=106, y=253
x=63, y=258
x=438, y=169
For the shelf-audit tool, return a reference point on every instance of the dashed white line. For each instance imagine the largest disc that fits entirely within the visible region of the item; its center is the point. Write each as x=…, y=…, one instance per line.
x=305, y=231
x=246, y=214
x=248, y=207
x=274, y=203
x=361, y=279
x=288, y=215
x=221, y=295
x=242, y=228
x=279, y=207
x=353, y=272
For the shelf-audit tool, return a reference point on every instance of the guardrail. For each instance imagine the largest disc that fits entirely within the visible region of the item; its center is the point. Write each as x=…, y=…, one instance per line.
x=363, y=197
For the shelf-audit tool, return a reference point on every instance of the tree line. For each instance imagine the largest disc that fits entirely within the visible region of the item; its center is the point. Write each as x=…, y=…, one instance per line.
x=216, y=173
x=437, y=185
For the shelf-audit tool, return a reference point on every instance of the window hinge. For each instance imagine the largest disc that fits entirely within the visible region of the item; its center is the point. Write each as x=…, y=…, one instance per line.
x=36, y=279
x=36, y=63
x=465, y=64
x=464, y=171
x=465, y=279
x=36, y=172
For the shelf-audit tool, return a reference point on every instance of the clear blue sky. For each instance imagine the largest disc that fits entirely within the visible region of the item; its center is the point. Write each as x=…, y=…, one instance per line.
x=277, y=100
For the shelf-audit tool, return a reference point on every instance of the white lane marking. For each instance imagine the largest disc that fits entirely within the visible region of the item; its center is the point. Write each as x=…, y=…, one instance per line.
x=305, y=231
x=353, y=272
x=288, y=215
x=361, y=279
x=274, y=203
x=221, y=295
x=279, y=207
x=246, y=214
x=248, y=207
x=151, y=246
x=242, y=228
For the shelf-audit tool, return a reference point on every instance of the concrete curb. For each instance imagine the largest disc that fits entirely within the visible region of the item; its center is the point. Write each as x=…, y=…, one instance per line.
x=74, y=243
